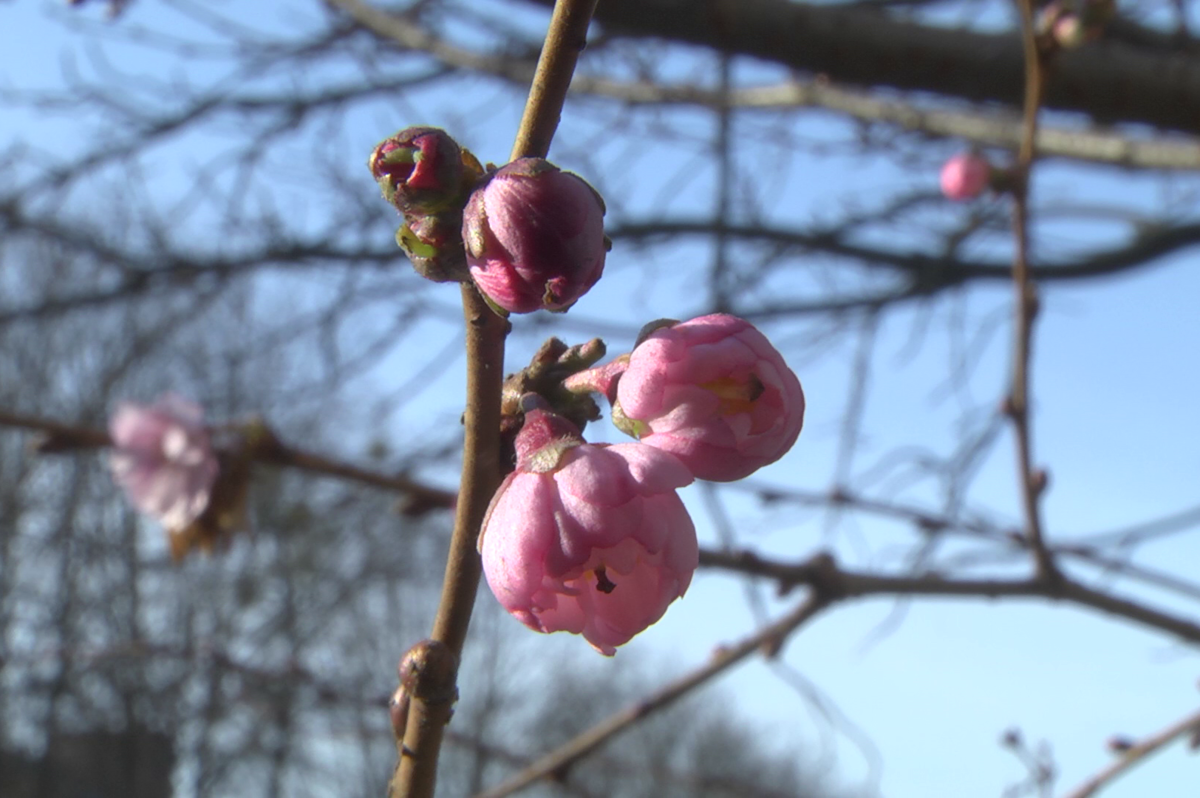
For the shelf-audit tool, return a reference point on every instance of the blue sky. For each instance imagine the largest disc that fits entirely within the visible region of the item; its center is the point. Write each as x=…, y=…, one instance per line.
x=1115, y=382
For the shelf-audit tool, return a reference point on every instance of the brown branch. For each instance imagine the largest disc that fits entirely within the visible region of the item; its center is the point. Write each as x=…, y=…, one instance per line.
x=416, y=771
x=557, y=762
x=565, y=40
x=928, y=273
x=836, y=584
x=995, y=129
x=860, y=46
x=1136, y=755
x=58, y=437
x=1033, y=483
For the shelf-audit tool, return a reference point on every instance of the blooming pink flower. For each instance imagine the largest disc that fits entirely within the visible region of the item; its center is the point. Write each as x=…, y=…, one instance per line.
x=163, y=459
x=965, y=176
x=713, y=392
x=534, y=237
x=589, y=539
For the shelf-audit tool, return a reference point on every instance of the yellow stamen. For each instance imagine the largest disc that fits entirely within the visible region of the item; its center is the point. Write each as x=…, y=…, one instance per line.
x=737, y=396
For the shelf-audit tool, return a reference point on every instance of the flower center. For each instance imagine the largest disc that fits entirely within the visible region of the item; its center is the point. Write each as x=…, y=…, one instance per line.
x=398, y=162
x=736, y=395
x=174, y=444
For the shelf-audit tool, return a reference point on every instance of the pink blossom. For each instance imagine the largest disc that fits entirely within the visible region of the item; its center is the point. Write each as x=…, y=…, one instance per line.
x=965, y=176
x=589, y=539
x=713, y=392
x=163, y=459
x=535, y=237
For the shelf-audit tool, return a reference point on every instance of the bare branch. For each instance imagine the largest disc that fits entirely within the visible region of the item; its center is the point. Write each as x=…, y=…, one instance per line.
x=836, y=584
x=860, y=46
x=987, y=128
x=768, y=640
x=1033, y=482
x=1136, y=755
x=58, y=437
x=416, y=771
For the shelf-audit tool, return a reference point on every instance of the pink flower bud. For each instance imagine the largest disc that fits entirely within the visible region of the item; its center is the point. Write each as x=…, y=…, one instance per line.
x=588, y=539
x=713, y=392
x=1070, y=32
x=419, y=170
x=965, y=176
x=535, y=237
x=163, y=459
x=434, y=246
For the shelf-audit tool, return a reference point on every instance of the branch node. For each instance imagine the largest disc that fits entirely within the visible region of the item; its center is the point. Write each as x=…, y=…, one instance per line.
x=1039, y=480
x=428, y=672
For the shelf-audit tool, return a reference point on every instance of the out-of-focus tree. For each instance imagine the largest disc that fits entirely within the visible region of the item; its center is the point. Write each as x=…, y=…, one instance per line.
x=184, y=205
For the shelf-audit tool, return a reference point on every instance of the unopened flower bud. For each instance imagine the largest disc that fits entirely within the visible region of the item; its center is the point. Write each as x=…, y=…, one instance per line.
x=965, y=176
x=535, y=237
x=419, y=170
x=712, y=391
x=1069, y=31
x=434, y=246
x=1073, y=23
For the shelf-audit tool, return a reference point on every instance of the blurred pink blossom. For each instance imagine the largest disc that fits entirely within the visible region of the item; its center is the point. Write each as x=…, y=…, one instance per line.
x=965, y=176
x=535, y=237
x=713, y=392
x=163, y=459
x=588, y=539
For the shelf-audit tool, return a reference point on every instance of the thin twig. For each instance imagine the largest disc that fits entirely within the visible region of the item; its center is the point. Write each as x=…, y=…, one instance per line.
x=58, y=436
x=1137, y=754
x=1032, y=482
x=62, y=437
x=838, y=585
x=416, y=772
x=558, y=761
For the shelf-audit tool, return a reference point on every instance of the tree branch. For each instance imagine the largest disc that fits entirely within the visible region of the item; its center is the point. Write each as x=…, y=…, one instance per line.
x=1136, y=755
x=1033, y=482
x=987, y=128
x=836, y=584
x=1112, y=82
x=416, y=772
x=557, y=762
x=59, y=437
x=930, y=272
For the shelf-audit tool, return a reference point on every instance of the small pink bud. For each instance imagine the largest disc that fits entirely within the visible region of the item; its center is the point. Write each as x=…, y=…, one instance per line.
x=1070, y=32
x=713, y=392
x=162, y=457
x=965, y=176
x=434, y=246
x=588, y=539
x=535, y=237
x=419, y=170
